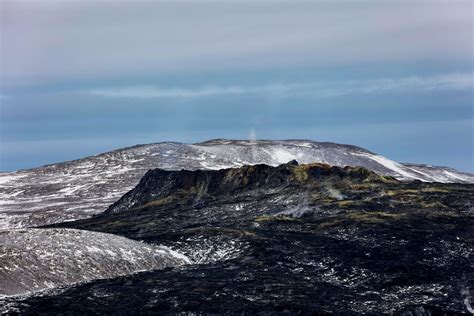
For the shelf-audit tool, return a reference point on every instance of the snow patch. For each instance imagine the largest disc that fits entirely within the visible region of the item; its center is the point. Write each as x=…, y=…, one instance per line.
x=392, y=165
x=283, y=156
x=36, y=259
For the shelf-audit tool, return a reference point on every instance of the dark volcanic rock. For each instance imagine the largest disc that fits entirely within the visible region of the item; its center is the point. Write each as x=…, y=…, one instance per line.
x=160, y=186
x=293, y=239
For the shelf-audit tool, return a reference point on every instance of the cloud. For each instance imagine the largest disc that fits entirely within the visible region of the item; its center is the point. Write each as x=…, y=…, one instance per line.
x=447, y=82
x=57, y=40
x=146, y=92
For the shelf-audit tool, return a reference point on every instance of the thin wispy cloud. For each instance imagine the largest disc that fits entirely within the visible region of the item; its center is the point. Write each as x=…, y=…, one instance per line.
x=146, y=92
x=454, y=82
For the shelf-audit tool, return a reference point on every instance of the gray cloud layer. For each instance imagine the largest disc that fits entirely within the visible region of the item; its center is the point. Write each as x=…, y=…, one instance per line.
x=57, y=40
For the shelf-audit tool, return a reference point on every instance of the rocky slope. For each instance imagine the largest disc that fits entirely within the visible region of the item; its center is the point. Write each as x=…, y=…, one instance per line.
x=81, y=188
x=38, y=259
x=297, y=239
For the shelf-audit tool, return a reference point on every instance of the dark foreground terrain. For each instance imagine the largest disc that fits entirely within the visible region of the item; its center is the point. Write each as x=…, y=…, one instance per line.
x=294, y=239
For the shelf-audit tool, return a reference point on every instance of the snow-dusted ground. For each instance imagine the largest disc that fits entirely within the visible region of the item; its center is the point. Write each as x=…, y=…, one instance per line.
x=81, y=188
x=37, y=259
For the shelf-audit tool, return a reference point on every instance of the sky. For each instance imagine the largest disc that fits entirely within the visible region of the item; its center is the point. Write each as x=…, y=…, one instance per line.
x=82, y=77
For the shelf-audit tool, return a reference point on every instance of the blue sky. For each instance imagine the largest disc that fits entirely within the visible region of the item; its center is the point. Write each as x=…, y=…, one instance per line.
x=83, y=77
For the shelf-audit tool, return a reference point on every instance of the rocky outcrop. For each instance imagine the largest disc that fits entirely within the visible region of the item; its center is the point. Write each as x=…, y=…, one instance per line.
x=160, y=186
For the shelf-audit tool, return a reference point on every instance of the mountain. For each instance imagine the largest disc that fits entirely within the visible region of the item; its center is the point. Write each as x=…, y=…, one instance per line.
x=37, y=259
x=81, y=188
x=294, y=239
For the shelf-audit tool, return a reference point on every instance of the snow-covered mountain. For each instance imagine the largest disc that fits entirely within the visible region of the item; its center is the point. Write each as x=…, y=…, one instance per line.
x=81, y=188
x=38, y=259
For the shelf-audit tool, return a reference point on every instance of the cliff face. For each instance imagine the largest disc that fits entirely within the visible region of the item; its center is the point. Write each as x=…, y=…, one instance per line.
x=301, y=239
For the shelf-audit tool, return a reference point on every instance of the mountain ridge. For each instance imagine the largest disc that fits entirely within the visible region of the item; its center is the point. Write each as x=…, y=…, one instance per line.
x=222, y=140
x=84, y=187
